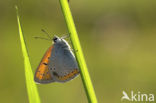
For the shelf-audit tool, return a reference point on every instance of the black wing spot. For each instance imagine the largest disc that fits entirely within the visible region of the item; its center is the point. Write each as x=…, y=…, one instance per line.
x=45, y=63
x=42, y=74
x=52, y=68
x=55, y=74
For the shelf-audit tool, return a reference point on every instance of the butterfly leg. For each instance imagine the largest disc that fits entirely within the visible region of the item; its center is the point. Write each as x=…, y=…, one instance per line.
x=65, y=36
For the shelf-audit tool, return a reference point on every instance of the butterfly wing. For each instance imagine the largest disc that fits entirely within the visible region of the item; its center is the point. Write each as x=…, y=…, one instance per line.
x=42, y=74
x=63, y=64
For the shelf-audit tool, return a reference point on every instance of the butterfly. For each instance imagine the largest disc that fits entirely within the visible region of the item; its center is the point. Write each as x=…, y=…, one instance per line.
x=58, y=63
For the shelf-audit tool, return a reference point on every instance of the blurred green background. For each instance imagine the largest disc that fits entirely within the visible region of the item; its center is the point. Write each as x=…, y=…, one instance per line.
x=118, y=38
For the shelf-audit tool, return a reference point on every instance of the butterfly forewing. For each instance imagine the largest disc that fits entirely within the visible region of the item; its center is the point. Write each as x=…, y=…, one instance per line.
x=43, y=74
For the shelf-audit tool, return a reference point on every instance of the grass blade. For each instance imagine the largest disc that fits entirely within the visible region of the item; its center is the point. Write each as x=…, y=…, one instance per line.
x=31, y=86
x=78, y=52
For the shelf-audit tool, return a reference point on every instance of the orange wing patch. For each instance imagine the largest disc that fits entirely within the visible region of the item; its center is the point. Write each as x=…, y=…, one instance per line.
x=42, y=72
x=70, y=75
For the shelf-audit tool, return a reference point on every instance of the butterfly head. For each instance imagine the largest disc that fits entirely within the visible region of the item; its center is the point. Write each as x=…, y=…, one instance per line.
x=56, y=39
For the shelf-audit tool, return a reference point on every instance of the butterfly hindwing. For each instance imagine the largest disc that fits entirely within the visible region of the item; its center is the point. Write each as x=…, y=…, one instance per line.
x=43, y=74
x=63, y=64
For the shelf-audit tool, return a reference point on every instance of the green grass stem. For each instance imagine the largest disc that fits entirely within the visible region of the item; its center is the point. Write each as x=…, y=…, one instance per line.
x=33, y=95
x=78, y=52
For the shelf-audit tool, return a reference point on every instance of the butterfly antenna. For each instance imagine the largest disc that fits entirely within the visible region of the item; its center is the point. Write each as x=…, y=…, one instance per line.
x=36, y=37
x=46, y=33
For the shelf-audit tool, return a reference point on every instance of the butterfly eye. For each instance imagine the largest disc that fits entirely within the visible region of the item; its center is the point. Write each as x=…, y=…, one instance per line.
x=55, y=39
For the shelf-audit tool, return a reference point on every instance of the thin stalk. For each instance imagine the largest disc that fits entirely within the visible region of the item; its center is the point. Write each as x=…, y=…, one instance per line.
x=78, y=52
x=33, y=95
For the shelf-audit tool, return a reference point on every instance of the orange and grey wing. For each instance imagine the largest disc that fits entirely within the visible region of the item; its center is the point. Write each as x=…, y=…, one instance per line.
x=43, y=74
x=63, y=64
